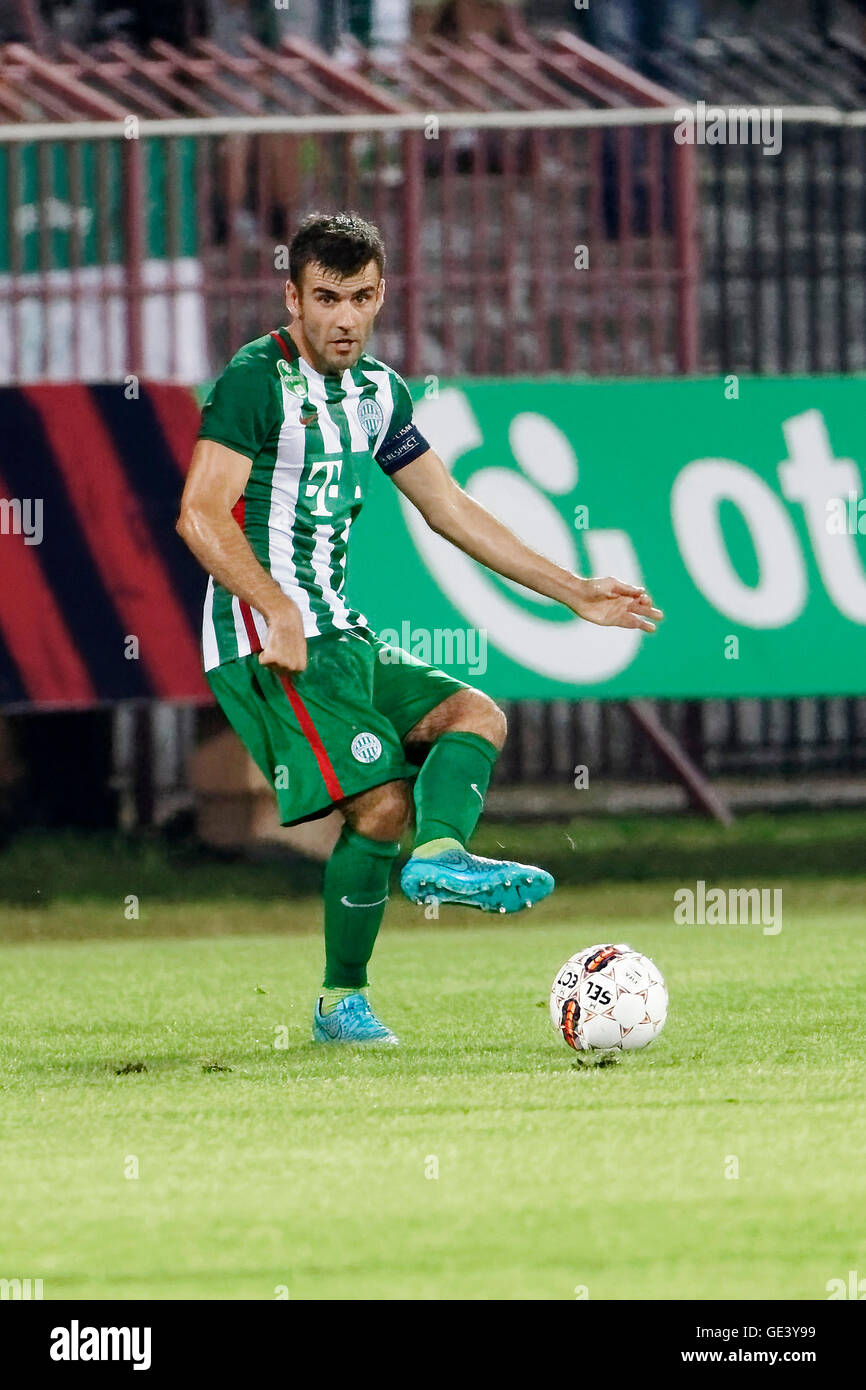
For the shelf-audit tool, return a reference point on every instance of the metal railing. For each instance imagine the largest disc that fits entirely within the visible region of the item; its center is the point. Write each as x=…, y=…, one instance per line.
x=161, y=254
x=780, y=738
x=784, y=252
x=543, y=242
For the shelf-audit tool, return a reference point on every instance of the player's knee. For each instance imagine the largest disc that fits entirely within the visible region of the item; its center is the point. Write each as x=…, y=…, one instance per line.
x=381, y=814
x=499, y=725
x=482, y=716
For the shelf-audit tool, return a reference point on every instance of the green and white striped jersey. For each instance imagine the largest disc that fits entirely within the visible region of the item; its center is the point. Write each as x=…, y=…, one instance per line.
x=311, y=439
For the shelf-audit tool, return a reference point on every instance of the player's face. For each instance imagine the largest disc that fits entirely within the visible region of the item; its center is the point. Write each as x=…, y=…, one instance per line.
x=333, y=316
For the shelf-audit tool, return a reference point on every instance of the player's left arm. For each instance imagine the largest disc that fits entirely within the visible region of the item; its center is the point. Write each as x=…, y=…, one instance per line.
x=452, y=513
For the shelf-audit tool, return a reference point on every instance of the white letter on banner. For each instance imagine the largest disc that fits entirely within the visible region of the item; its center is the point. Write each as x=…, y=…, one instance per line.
x=780, y=593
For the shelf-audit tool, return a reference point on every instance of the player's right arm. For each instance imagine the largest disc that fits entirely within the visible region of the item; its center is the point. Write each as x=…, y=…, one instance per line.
x=216, y=479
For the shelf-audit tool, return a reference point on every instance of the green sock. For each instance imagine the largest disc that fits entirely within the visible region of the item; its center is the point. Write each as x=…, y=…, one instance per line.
x=431, y=847
x=355, y=889
x=332, y=997
x=451, y=787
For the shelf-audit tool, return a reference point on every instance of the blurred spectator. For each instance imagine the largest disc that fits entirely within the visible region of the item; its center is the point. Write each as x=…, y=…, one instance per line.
x=13, y=28
x=822, y=18
x=450, y=19
x=87, y=22
x=178, y=22
x=339, y=17
x=627, y=29
x=230, y=20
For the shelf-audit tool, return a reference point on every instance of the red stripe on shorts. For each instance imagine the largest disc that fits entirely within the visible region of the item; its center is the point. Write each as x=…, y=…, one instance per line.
x=302, y=714
x=252, y=631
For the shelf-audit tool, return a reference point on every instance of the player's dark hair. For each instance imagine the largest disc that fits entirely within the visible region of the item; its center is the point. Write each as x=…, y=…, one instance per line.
x=341, y=242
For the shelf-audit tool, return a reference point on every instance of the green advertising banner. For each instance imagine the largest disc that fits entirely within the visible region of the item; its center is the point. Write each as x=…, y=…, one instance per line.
x=62, y=251
x=41, y=203
x=738, y=503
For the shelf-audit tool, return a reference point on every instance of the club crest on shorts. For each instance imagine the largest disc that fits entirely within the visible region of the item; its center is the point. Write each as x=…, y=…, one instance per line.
x=370, y=415
x=366, y=748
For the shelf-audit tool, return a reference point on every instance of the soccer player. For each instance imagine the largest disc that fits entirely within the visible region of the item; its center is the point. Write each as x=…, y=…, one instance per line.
x=333, y=715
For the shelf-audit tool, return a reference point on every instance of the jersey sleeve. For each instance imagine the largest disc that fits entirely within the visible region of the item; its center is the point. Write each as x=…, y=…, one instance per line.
x=241, y=409
x=403, y=441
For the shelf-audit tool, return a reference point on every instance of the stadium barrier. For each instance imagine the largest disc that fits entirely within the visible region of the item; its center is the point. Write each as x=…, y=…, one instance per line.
x=742, y=510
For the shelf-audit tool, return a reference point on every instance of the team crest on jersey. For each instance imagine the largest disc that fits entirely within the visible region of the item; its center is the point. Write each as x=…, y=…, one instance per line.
x=293, y=379
x=366, y=748
x=370, y=415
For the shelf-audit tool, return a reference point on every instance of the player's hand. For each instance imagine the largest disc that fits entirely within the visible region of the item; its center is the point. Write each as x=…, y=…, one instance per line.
x=610, y=603
x=285, y=650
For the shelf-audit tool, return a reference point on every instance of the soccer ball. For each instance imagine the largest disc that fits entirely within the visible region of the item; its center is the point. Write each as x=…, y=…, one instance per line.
x=607, y=998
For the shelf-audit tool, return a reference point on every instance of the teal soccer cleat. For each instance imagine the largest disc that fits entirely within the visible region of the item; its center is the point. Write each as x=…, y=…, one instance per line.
x=456, y=876
x=352, y=1021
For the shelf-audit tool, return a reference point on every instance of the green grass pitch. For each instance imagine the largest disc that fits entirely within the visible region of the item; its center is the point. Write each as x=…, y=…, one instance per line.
x=169, y=1131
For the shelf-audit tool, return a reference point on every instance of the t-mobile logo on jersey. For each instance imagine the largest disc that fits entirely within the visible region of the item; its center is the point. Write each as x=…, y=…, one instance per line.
x=327, y=486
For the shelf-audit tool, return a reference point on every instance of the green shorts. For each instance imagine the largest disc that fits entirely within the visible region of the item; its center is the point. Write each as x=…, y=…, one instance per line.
x=337, y=728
